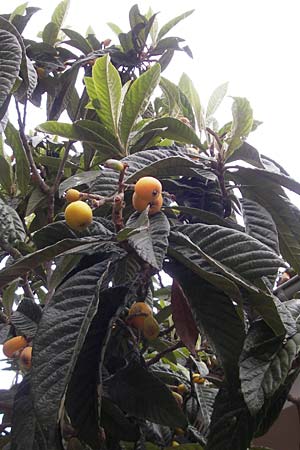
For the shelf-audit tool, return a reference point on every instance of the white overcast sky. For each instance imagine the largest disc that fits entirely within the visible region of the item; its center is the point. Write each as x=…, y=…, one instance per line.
x=254, y=45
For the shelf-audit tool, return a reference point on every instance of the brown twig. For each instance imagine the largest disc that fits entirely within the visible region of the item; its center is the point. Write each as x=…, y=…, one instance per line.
x=35, y=172
x=160, y=355
x=216, y=137
x=117, y=212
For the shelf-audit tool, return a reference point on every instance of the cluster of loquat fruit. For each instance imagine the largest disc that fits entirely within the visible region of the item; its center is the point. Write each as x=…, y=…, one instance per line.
x=140, y=317
x=147, y=191
x=18, y=347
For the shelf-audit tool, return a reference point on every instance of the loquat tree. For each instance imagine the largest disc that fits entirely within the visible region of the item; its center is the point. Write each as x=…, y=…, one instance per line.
x=141, y=245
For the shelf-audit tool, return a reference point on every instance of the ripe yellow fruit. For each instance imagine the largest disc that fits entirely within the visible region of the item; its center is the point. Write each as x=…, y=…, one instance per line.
x=197, y=378
x=137, y=314
x=182, y=389
x=78, y=215
x=72, y=195
x=175, y=444
x=14, y=345
x=140, y=204
x=25, y=357
x=151, y=328
x=178, y=398
x=148, y=188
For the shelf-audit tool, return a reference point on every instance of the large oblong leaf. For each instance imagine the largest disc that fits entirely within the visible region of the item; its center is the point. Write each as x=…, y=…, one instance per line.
x=151, y=242
x=242, y=253
x=22, y=164
x=136, y=100
x=260, y=224
x=108, y=88
x=11, y=226
x=169, y=25
x=140, y=393
x=10, y=61
x=216, y=99
x=242, y=124
x=61, y=334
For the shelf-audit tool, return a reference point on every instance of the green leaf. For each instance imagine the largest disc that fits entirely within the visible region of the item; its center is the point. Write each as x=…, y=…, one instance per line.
x=50, y=33
x=29, y=262
x=78, y=41
x=5, y=175
x=247, y=153
x=18, y=11
x=242, y=253
x=108, y=87
x=174, y=129
x=11, y=226
x=8, y=298
x=10, y=60
x=151, y=242
x=63, y=92
x=172, y=94
x=284, y=213
x=82, y=395
x=115, y=28
x=63, y=268
x=242, y=124
x=141, y=394
x=206, y=397
x=22, y=164
x=260, y=224
x=265, y=364
x=26, y=432
x=58, y=342
x=216, y=99
x=188, y=88
x=136, y=101
x=26, y=318
x=84, y=130
x=60, y=13
x=169, y=25
x=226, y=329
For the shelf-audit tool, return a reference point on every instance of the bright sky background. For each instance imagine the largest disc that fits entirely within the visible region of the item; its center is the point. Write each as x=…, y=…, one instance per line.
x=252, y=44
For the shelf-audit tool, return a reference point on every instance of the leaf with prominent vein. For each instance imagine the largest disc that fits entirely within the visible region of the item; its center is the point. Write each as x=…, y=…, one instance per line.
x=242, y=124
x=151, y=242
x=108, y=87
x=136, y=101
x=10, y=60
x=169, y=25
x=22, y=164
x=216, y=99
x=22, y=266
x=260, y=224
x=188, y=88
x=61, y=335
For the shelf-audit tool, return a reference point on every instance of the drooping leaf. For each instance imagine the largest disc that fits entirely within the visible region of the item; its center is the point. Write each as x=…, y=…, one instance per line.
x=169, y=25
x=136, y=100
x=225, y=329
x=10, y=60
x=247, y=153
x=260, y=224
x=206, y=397
x=62, y=331
x=284, y=213
x=82, y=394
x=140, y=393
x=78, y=41
x=26, y=432
x=22, y=164
x=242, y=124
x=152, y=241
x=108, y=88
x=265, y=363
x=29, y=262
x=216, y=99
x=11, y=226
x=240, y=252
x=26, y=318
x=183, y=319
